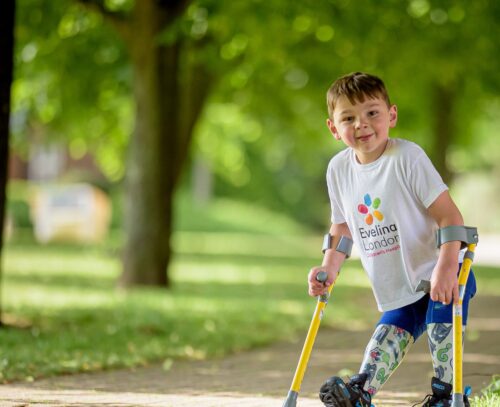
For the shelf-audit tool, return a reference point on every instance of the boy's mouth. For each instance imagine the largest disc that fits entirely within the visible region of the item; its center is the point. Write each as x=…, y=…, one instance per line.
x=364, y=138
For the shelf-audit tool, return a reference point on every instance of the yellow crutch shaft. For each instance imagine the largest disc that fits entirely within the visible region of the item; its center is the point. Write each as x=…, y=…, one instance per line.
x=458, y=322
x=309, y=342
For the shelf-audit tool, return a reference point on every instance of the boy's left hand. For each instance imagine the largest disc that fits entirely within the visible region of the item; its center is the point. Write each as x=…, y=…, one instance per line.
x=444, y=283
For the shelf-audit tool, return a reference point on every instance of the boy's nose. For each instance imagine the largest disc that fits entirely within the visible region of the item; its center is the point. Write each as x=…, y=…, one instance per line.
x=359, y=124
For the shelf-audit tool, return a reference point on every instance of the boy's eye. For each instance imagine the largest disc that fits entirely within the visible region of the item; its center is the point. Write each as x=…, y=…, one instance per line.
x=347, y=119
x=372, y=113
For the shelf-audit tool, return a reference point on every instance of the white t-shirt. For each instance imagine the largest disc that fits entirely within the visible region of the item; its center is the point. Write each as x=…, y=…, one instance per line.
x=384, y=204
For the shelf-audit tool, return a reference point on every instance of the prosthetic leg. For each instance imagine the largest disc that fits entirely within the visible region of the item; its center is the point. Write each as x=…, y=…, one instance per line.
x=469, y=238
x=344, y=246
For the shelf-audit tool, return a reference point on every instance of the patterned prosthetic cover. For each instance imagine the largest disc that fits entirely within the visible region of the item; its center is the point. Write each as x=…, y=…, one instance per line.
x=440, y=336
x=384, y=353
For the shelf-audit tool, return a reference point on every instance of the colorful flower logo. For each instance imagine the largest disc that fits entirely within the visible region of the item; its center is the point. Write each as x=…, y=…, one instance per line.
x=364, y=209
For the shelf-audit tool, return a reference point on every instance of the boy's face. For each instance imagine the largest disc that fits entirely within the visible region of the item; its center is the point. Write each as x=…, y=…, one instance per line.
x=363, y=126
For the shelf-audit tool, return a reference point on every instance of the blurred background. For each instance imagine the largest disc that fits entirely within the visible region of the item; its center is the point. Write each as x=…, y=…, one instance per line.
x=183, y=144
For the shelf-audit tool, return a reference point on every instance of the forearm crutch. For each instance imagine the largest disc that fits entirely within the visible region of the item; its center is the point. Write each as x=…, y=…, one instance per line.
x=469, y=237
x=344, y=246
x=293, y=393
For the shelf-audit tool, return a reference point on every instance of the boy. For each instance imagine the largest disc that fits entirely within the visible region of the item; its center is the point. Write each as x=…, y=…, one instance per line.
x=388, y=198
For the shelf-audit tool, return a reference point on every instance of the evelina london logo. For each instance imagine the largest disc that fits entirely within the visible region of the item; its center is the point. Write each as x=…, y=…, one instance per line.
x=368, y=205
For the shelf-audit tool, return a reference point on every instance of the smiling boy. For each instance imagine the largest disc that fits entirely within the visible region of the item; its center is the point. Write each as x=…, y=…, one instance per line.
x=387, y=197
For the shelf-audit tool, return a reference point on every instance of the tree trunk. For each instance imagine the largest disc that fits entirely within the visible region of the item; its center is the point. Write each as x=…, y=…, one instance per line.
x=7, y=18
x=168, y=101
x=444, y=129
x=149, y=178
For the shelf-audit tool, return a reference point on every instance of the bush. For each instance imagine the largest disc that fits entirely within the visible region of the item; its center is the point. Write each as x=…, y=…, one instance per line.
x=491, y=395
x=18, y=207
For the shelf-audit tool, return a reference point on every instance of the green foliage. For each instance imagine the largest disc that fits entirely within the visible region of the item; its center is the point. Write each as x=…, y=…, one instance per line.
x=489, y=400
x=18, y=198
x=280, y=85
x=490, y=396
x=271, y=61
x=494, y=387
x=19, y=211
x=72, y=83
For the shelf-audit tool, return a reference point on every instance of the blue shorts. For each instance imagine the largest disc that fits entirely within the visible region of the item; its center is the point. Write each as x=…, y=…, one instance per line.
x=415, y=317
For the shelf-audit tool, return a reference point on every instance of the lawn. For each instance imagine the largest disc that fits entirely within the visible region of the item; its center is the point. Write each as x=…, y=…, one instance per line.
x=238, y=282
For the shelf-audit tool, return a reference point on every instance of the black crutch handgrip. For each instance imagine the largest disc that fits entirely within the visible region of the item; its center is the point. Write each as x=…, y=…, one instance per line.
x=322, y=276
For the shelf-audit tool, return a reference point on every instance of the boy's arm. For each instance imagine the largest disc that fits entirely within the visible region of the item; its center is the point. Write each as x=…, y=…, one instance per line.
x=332, y=261
x=444, y=282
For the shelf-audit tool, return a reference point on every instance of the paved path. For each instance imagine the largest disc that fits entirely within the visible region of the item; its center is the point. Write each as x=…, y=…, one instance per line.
x=262, y=377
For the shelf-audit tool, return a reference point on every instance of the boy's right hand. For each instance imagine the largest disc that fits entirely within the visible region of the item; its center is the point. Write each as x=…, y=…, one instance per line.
x=317, y=288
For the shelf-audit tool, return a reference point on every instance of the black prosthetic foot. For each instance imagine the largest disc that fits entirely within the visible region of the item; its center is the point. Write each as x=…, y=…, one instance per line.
x=336, y=393
x=442, y=395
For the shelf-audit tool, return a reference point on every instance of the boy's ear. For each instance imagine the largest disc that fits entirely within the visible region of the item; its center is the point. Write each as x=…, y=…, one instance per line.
x=393, y=116
x=333, y=129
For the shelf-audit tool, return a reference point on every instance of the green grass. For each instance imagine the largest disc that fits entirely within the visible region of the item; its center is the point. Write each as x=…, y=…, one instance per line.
x=65, y=314
x=490, y=396
x=232, y=290
x=488, y=400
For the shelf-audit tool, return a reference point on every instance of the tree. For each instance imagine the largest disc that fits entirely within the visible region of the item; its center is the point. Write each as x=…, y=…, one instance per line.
x=271, y=62
x=168, y=101
x=72, y=84
x=148, y=61
x=436, y=54
x=7, y=17
x=426, y=52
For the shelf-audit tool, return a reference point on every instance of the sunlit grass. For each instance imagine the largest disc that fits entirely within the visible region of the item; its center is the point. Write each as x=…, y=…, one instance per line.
x=489, y=400
x=490, y=396
x=64, y=313
x=232, y=290
x=232, y=216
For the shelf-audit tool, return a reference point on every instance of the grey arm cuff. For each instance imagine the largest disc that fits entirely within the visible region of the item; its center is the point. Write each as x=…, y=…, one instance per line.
x=464, y=234
x=344, y=245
